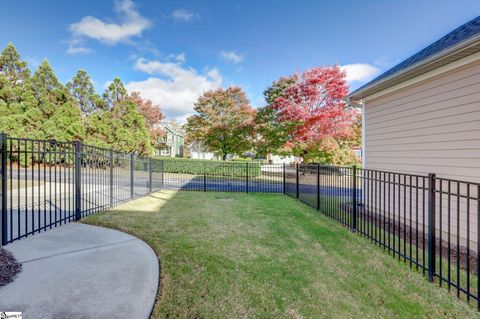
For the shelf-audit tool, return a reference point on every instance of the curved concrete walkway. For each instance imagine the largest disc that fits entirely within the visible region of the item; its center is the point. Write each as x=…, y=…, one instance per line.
x=82, y=271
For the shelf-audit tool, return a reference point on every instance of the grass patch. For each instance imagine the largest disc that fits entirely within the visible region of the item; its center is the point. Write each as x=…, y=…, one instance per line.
x=231, y=255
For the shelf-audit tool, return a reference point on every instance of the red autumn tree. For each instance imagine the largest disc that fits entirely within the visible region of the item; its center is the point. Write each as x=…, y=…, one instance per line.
x=315, y=102
x=153, y=115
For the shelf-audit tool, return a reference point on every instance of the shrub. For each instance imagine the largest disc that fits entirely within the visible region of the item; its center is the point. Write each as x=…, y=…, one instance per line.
x=242, y=159
x=207, y=167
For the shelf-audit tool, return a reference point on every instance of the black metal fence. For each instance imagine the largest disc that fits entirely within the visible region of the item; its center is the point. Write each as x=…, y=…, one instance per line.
x=46, y=184
x=49, y=183
x=429, y=223
x=246, y=177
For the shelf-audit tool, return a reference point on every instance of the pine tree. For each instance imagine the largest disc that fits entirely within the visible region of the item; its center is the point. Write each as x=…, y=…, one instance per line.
x=115, y=92
x=56, y=108
x=82, y=90
x=11, y=67
x=120, y=125
x=16, y=96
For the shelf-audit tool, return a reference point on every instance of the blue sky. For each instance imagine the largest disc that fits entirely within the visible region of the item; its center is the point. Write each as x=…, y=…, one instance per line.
x=172, y=51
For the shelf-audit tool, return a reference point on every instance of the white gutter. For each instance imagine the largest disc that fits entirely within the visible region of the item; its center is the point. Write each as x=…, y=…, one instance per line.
x=364, y=158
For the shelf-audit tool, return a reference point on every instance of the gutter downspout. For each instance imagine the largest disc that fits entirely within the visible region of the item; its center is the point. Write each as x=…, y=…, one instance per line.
x=364, y=158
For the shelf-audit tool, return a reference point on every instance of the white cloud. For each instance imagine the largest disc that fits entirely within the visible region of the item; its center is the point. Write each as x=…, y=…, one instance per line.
x=73, y=49
x=175, y=87
x=231, y=56
x=132, y=24
x=180, y=58
x=182, y=15
x=361, y=72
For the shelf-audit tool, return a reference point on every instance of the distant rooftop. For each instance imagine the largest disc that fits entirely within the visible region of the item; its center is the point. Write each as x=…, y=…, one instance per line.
x=463, y=33
x=174, y=127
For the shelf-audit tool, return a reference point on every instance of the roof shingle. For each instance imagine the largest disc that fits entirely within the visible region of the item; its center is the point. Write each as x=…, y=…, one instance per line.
x=462, y=33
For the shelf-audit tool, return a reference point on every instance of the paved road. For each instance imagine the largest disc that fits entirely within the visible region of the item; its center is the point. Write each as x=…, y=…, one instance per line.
x=223, y=185
x=33, y=211
x=51, y=203
x=82, y=271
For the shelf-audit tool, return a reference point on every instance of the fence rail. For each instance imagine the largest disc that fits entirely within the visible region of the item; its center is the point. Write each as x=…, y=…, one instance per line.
x=429, y=223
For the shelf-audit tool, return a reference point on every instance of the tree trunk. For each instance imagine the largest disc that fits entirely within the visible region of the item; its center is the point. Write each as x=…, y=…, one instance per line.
x=224, y=156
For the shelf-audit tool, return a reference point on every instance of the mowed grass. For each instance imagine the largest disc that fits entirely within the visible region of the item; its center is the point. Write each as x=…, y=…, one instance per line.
x=229, y=255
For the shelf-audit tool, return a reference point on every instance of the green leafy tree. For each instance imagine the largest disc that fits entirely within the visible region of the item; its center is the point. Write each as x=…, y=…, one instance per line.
x=82, y=90
x=272, y=134
x=224, y=120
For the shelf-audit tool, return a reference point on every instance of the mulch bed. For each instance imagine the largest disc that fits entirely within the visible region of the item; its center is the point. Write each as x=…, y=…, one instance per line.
x=9, y=267
x=409, y=234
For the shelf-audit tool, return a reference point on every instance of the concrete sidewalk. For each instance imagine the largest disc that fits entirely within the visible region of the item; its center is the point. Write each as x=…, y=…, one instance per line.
x=82, y=271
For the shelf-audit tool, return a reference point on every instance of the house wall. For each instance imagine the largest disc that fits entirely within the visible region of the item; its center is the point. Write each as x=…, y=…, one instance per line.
x=203, y=155
x=431, y=127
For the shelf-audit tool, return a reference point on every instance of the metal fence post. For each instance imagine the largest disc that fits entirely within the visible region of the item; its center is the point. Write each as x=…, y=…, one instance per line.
x=131, y=175
x=431, y=226
x=284, y=179
x=297, y=182
x=3, y=216
x=204, y=178
x=162, y=182
x=354, y=198
x=111, y=177
x=318, y=186
x=78, y=179
x=246, y=174
x=150, y=175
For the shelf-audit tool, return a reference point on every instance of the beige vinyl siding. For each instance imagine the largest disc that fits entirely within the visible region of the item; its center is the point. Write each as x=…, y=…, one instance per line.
x=404, y=198
x=432, y=127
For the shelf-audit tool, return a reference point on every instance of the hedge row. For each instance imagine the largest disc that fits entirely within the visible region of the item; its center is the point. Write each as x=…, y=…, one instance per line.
x=207, y=167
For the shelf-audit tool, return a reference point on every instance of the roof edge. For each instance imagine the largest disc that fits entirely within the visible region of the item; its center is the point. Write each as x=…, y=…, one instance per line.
x=363, y=91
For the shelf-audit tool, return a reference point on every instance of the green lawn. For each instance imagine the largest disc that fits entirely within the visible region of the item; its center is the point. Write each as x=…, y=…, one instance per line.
x=227, y=255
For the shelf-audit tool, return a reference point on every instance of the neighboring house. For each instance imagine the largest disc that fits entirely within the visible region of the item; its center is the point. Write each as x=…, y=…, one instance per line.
x=204, y=155
x=199, y=150
x=423, y=115
x=173, y=139
x=279, y=159
x=357, y=151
